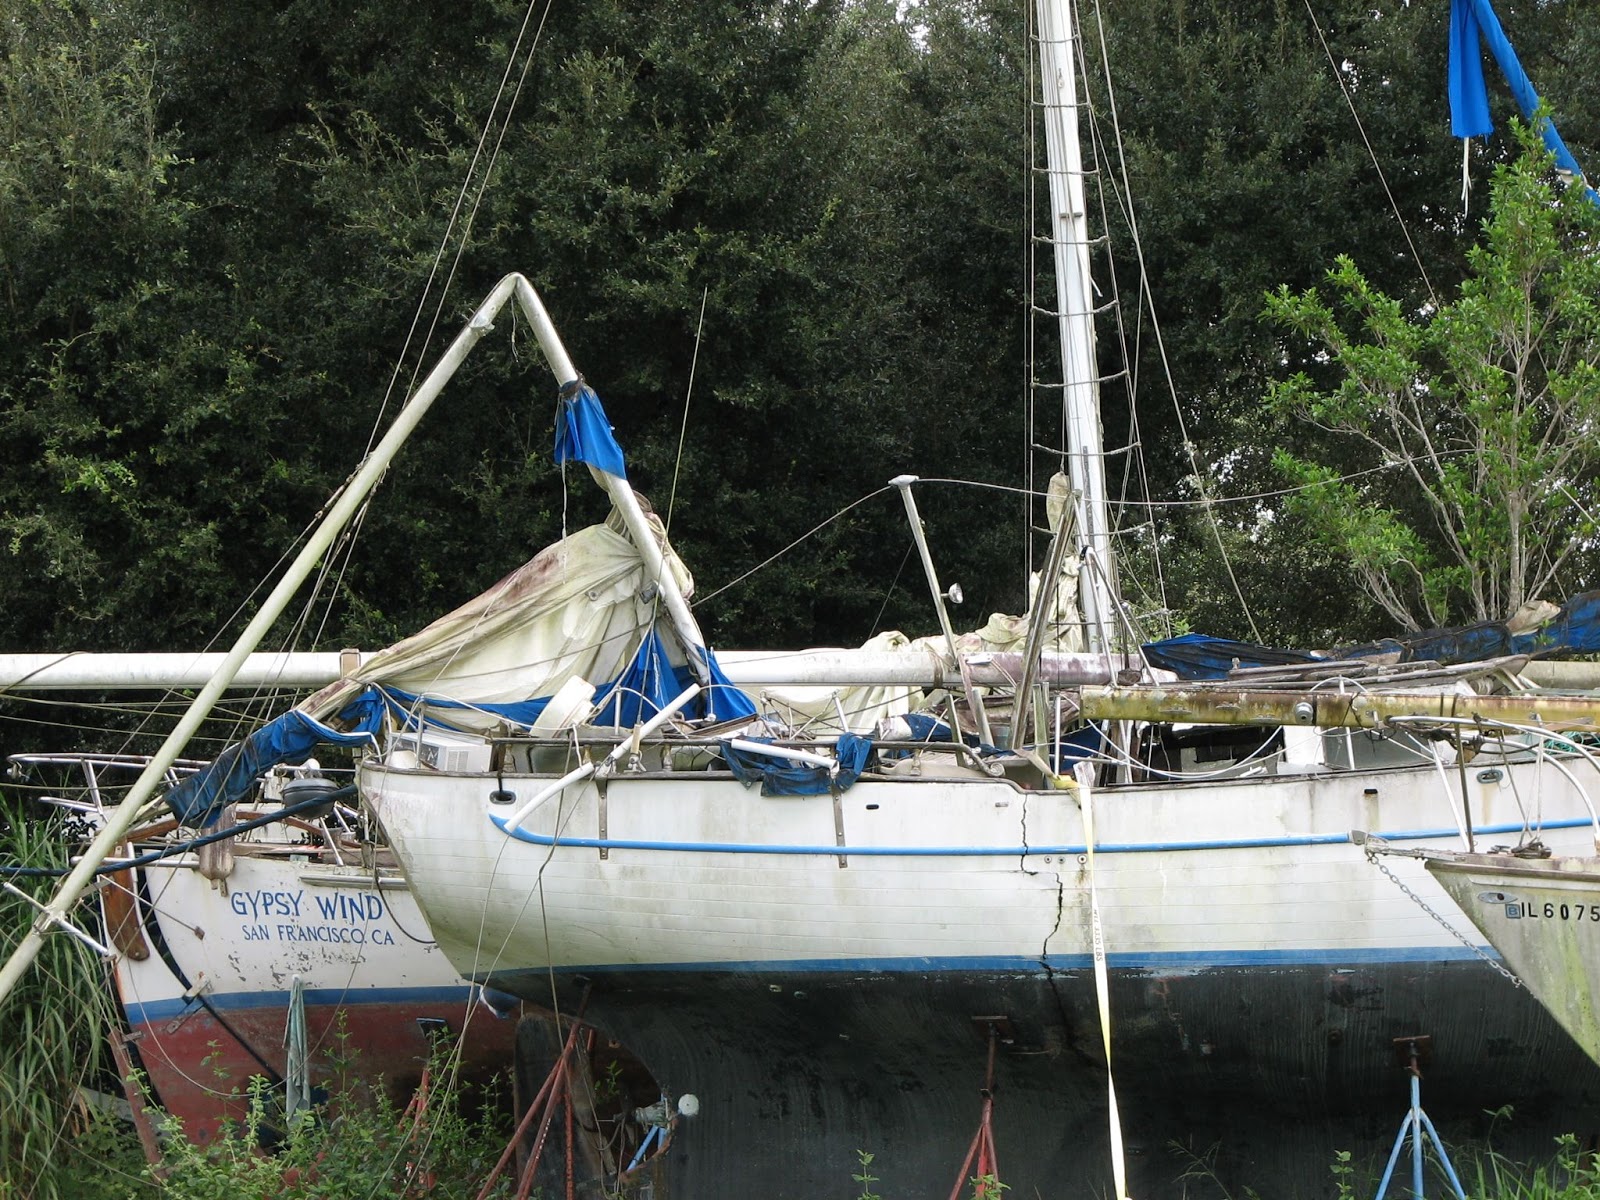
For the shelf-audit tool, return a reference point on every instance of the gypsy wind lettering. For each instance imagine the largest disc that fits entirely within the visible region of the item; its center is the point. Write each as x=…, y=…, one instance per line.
x=333, y=919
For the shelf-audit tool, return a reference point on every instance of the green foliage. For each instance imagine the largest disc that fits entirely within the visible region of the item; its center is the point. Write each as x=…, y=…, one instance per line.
x=359, y=1148
x=215, y=228
x=54, y=1026
x=1572, y=1174
x=984, y=1187
x=1479, y=416
x=865, y=1177
x=1343, y=1175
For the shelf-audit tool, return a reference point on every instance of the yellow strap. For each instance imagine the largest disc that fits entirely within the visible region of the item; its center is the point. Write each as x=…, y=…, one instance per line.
x=1102, y=983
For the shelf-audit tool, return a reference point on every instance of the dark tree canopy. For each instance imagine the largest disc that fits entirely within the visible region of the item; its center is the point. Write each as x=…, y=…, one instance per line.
x=217, y=221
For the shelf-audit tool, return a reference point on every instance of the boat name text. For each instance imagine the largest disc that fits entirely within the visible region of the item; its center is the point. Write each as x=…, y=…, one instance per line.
x=347, y=918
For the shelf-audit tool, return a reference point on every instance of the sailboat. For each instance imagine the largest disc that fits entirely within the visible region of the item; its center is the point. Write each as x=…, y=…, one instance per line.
x=845, y=902
x=291, y=951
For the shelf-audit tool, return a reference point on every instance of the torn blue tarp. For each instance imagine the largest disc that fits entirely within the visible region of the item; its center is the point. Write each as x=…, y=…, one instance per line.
x=584, y=434
x=1198, y=656
x=1574, y=630
x=1470, y=643
x=643, y=689
x=1469, y=97
x=924, y=728
x=785, y=777
x=289, y=739
x=651, y=681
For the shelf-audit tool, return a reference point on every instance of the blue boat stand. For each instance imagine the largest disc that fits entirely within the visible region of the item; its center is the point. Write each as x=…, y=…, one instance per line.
x=1416, y=1122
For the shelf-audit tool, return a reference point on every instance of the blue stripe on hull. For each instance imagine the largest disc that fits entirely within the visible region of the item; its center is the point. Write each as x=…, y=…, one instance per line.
x=1322, y=839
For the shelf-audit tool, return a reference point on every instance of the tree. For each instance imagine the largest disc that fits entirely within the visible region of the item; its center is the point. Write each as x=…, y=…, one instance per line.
x=1479, y=418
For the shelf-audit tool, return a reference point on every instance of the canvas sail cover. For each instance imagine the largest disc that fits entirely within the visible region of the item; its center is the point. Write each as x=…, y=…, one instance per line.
x=584, y=608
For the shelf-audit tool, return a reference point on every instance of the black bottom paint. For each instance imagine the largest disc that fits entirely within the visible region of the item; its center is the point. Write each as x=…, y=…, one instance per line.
x=1262, y=1073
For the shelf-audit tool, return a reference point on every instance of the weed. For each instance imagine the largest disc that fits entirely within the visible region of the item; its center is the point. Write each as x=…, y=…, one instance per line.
x=359, y=1147
x=865, y=1177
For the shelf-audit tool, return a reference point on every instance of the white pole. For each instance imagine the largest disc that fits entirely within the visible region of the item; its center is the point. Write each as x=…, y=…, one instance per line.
x=83, y=672
x=744, y=668
x=349, y=500
x=622, y=497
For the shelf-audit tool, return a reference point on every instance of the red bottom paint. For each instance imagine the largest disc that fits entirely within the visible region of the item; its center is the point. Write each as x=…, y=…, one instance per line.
x=200, y=1071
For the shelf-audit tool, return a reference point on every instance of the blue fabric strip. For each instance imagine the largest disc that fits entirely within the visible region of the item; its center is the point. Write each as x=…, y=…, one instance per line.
x=1469, y=98
x=584, y=434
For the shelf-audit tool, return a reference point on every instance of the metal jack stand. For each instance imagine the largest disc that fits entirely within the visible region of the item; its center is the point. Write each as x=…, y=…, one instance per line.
x=1411, y=1051
x=980, y=1155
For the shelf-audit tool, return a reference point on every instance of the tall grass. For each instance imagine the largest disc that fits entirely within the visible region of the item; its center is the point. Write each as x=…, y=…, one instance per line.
x=1571, y=1174
x=54, y=1027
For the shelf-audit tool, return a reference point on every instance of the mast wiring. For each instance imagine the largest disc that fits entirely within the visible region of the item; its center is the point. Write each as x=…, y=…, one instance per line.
x=1349, y=99
x=1126, y=200
x=688, y=394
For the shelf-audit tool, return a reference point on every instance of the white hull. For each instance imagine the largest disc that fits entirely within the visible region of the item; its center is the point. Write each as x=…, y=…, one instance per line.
x=1541, y=915
x=957, y=873
x=1261, y=965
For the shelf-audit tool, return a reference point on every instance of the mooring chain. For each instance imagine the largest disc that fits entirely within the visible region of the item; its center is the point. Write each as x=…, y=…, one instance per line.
x=1372, y=857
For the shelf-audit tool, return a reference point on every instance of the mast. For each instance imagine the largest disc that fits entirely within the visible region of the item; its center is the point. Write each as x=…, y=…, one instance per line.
x=1069, y=239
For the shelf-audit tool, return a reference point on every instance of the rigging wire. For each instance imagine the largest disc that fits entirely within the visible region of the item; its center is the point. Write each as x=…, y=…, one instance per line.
x=1373, y=154
x=817, y=528
x=683, y=431
x=1155, y=329
x=1134, y=465
x=1030, y=494
x=350, y=536
x=1030, y=269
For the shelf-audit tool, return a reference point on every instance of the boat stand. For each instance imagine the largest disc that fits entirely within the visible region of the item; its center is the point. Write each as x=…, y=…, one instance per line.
x=1411, y=1051
x=550, y=1097
x=984, y=1168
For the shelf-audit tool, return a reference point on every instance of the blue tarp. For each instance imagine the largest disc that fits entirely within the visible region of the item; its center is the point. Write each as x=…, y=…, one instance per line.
x=1574, y=630
x=651, y=681
x=584, y=434
x=1473, y=22
x=1199, y=656
x=1469, y=98
x=784, y=777
x=289, y=739
x=930, y=729
x=1471, y=643
x=645, y=687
